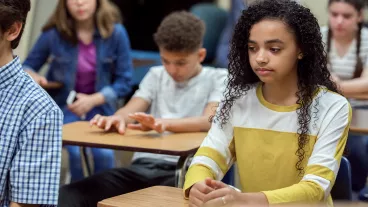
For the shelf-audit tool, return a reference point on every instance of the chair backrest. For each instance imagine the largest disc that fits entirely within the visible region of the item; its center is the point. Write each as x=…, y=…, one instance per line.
x=342, y=190
x=215, y=20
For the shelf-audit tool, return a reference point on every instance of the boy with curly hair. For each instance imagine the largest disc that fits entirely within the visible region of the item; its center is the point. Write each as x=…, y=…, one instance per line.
x=181, y=95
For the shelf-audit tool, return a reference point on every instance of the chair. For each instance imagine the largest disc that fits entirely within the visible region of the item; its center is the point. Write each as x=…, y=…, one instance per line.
x=342, y=190
x=215, y=20
x=229, y=177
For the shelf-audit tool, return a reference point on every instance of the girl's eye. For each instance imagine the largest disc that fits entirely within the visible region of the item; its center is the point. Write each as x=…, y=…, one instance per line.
x=251, y=48
x=274, y=50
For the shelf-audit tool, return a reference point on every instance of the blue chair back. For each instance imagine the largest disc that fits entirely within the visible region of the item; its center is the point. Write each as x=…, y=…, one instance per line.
x=342, y=190
x=215, y=20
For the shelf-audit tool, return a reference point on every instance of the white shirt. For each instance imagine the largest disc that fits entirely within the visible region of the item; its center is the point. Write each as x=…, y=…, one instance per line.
x=344, y=67
x=172, y=100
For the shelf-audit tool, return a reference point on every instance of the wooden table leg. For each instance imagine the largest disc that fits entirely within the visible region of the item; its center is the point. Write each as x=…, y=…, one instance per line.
x=85, y=161
x=181, y=170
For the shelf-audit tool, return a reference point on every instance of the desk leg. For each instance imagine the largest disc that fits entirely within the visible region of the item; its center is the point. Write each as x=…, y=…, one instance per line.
x=85, y=161
x=181, y=170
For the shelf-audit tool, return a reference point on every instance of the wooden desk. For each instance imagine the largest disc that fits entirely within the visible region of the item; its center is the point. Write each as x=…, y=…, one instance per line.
x=149, y=197
x=168, y=197
x=179, y=144
x=52, y=85
x=359, y=122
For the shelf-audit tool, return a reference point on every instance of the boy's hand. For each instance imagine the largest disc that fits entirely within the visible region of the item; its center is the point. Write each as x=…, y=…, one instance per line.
x=108, y=122
x=198, y=192
x=42, y=81
x=147, y=123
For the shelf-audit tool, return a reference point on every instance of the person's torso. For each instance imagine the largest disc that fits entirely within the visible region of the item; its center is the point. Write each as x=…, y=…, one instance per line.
x=64, y=61
x=182, y=100
x=267, y=134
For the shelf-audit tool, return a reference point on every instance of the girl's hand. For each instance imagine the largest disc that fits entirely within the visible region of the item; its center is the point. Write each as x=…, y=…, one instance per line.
x=84, y=104
x=198, y=192
x=223, y=195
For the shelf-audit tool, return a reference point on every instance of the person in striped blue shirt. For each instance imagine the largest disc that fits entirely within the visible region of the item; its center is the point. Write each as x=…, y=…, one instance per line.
x=30, y=123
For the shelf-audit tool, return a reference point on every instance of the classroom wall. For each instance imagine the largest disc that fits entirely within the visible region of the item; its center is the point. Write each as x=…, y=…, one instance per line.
x=37, y=17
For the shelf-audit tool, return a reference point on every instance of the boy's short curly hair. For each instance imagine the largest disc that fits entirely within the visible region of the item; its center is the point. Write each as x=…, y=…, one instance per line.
x=180, y=32
x=12, y=11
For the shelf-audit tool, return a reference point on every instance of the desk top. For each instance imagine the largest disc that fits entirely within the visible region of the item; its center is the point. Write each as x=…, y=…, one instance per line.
x=52, y=85
x=154, y=196
x=359, y=122
x=169, y=196
x=182, y=144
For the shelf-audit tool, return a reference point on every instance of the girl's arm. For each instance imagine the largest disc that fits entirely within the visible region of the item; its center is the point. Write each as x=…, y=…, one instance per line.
x=355, y=86
x=124, y=68
x=213, y=158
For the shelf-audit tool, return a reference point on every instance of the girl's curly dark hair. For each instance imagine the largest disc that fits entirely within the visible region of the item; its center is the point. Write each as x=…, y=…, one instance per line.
x=312, y=69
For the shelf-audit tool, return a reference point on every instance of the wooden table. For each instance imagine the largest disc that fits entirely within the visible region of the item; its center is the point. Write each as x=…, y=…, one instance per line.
x=179, y=144
x=169, y=196
x=52, y=85
x=149, y=197
x=359, y=122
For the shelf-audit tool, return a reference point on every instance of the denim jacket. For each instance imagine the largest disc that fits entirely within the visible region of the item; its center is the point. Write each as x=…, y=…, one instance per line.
x=113, y=66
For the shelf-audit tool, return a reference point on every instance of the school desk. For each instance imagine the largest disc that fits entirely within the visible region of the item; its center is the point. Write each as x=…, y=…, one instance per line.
x=359, y=121
x=178, y=144
x=169, y=197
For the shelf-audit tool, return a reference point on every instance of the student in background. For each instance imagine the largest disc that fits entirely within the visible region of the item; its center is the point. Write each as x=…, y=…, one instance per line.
x=237, y=6
x=282, y=119
x=30, y=123
x=181, y=95
x=347, y=49
x=89, y=51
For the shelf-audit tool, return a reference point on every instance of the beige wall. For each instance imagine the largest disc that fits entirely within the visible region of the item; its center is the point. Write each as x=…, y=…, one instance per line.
x=39, y=14
x=318, y=7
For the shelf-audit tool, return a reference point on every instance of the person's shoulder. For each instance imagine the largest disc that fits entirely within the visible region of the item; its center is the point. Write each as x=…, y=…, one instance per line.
x=52, y=32
x=119, y=29
x=215, y=72
x=331, y=100
x=34, y=98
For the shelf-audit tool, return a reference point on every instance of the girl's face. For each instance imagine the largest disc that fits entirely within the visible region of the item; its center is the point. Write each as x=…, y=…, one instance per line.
x=343, y=19
x=82, y=10
x=273, y=51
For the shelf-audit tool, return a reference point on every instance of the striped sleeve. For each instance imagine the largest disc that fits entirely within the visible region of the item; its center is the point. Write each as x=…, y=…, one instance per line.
x=324, y=163
x=213, y=158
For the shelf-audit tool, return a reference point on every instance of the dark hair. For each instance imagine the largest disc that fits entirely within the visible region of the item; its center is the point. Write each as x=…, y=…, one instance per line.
x=107, y=14
x=180, y=32
x=12, y=11
x=358, y=5
x=311, y=70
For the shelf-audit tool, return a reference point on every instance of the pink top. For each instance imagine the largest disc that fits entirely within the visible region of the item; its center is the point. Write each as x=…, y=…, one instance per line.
x=86, y=68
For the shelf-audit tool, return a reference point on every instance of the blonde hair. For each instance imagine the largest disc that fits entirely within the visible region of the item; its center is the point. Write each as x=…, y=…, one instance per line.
x=106, y=15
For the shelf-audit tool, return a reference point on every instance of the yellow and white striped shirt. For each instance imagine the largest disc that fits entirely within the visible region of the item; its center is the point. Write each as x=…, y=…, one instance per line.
x=262, y=138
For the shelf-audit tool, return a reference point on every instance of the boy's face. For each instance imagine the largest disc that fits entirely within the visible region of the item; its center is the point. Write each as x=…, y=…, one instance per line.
x=273, y=51
x=182, y=66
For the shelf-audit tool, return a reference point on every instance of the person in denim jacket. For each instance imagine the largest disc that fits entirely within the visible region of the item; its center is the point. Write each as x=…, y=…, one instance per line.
x=89, y=52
